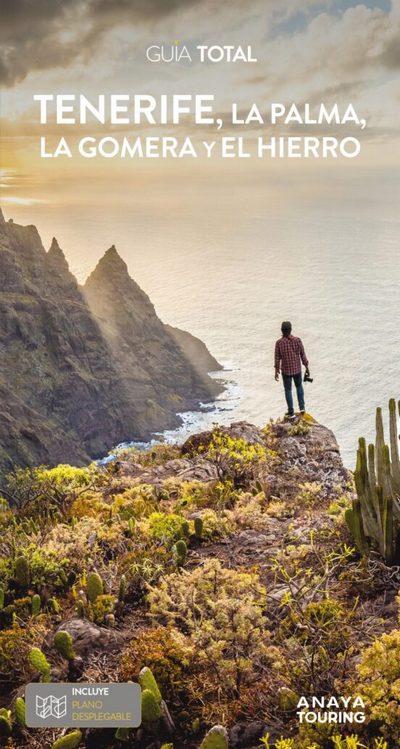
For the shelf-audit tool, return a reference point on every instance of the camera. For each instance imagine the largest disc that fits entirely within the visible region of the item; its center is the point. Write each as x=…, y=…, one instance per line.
x=307, y=378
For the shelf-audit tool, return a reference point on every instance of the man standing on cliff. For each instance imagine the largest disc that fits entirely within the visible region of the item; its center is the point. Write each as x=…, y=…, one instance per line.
x=289, y=355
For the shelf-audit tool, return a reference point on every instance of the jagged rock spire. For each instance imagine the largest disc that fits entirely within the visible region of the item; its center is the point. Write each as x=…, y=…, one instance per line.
x=110, y=262
x=56, y=256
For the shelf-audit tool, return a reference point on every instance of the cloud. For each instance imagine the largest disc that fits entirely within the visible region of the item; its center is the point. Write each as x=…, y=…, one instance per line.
x=53, y=33
x=46, y=34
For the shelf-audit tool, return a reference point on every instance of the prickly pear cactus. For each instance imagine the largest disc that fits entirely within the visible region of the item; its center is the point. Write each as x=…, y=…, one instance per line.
x=94, y=586
x=36, y=604
x=147, y=681
x=151, y=710
x=198, y=527
x=69, y=741
x=80, y=609
x=22, y=572
x=122, y=734
x=288, y=699
x=216, y=738
x=19, y=709
x=5, y=722
x=40, y=662
x=53, y=605
x=63, y=642
x=131, y=526
x=180, y=551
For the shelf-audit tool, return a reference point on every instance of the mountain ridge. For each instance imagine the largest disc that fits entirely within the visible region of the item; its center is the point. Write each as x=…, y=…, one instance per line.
x=77, y=376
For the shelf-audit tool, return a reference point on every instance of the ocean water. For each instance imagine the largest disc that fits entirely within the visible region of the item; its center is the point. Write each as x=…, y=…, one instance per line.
x=230, y=263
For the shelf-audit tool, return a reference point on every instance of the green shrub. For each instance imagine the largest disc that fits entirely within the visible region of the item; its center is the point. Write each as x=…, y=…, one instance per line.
x=234, y=459
x=102, y=608
x=379, y=685
x=165, y=651
x=167, y=528
x=14, y=650
x=222, y=610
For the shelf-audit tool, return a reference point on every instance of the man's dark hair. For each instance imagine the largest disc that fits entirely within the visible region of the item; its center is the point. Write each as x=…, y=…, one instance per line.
x=286, y=327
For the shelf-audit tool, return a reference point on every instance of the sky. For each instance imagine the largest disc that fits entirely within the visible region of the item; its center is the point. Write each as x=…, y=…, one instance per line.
x=215, y=242
x=308, y=51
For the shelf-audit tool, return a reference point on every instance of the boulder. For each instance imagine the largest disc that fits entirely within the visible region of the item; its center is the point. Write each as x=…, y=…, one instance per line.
x=88, y=637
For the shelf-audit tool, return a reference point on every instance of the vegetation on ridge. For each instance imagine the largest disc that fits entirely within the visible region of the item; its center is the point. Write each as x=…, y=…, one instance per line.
x=221, y=575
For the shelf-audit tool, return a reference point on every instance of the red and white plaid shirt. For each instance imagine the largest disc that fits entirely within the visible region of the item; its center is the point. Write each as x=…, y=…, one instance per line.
x=289, y=353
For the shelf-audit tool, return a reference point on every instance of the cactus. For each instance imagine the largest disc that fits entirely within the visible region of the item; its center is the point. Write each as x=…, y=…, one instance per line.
x=394, y=446
x=69, y=741
x=198, y=527
x=122, y=589
x=64, y=578
x=1, y=598
x=185, y=528
x=122, y=733
x=288, y=699
x=180, y=551
x=80, y=608
x=53, y=605
x=147, y=681
x=94, y=586
x=36, y=604
x=374, y=519
x=22, y=572
x=63, y=642
x=131, y=526
x=216, y=738
x=151, y=710
x=19, y=709
x=40, y=662
x=5, y=722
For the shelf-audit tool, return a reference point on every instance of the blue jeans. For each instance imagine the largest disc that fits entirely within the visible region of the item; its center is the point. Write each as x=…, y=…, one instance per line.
x=287, y=384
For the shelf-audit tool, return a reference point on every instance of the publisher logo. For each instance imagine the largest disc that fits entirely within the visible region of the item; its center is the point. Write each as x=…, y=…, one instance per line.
x=339, y=710
x=83, y=705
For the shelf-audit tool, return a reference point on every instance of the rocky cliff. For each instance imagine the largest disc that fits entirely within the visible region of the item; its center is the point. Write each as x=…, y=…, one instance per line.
x=82, y=369
x=195, y=350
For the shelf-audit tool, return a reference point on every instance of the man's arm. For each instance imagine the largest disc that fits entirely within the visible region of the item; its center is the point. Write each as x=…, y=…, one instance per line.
x=303, y=356
x=277, y=360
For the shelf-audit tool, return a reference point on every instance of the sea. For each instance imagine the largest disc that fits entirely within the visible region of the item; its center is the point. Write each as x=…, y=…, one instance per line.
x=229, y=262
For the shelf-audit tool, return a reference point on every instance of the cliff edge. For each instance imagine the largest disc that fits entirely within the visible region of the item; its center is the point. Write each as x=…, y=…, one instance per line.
x=82, y=368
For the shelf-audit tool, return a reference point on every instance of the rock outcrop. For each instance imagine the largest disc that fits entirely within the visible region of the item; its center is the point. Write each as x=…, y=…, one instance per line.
x=195, y=350
x=82, y=369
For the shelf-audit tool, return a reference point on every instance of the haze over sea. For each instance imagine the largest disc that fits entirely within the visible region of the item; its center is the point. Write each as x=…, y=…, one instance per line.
x=230, y=262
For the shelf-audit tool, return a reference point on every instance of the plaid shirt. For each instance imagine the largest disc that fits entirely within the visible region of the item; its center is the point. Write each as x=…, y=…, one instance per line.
x=289, y=353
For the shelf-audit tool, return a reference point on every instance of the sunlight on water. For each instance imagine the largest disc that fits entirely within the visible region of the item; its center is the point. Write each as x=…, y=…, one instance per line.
x=230, y=266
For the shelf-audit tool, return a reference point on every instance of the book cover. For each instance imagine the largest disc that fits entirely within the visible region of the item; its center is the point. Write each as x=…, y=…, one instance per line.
x=199, y=374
